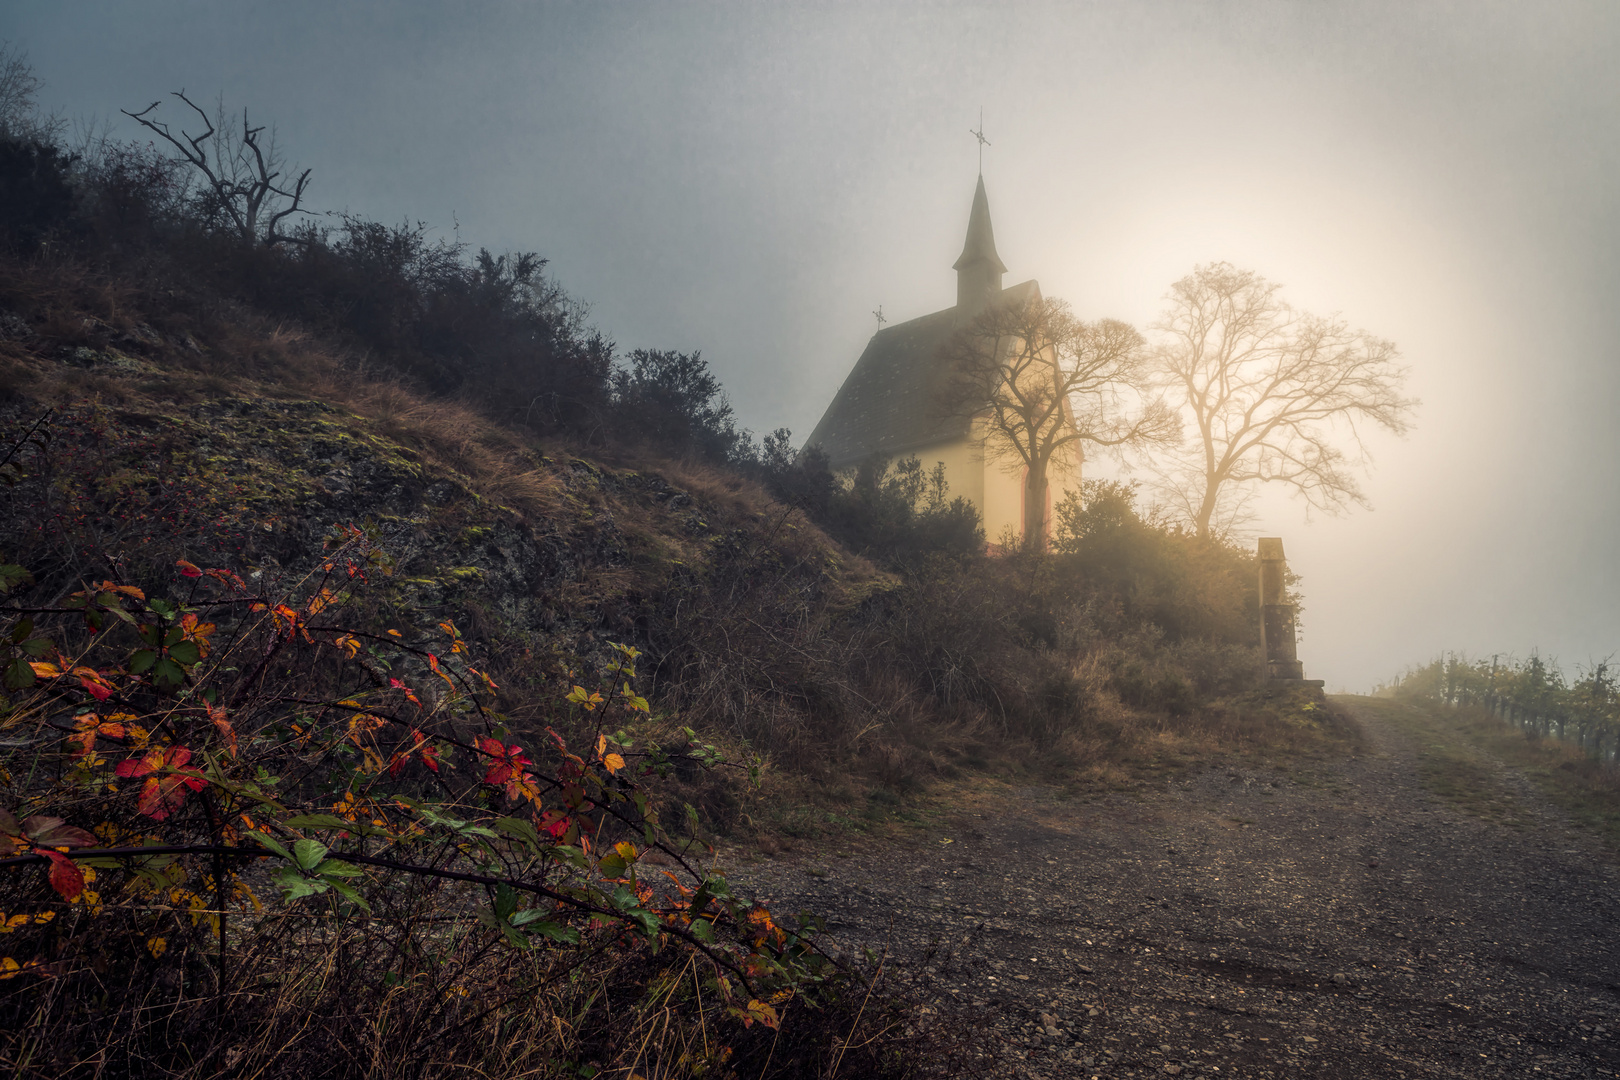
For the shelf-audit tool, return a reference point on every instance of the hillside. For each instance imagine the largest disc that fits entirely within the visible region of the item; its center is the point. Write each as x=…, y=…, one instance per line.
x=320, y=650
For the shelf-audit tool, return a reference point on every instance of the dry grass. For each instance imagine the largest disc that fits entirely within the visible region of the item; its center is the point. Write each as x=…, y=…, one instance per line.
x=232, y=351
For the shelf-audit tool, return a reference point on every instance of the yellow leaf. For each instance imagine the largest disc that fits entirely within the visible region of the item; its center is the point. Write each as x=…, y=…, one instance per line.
x=156, y=945
x=252, y=897
x=613, y=762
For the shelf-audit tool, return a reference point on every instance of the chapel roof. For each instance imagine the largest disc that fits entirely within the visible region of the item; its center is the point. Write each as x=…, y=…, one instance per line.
x=889, y=403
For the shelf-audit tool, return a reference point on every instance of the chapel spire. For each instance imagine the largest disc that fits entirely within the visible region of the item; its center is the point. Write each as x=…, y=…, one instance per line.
x=979, y=270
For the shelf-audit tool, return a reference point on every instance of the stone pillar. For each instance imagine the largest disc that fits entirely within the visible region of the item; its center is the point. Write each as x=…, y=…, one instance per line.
x=1276, y=615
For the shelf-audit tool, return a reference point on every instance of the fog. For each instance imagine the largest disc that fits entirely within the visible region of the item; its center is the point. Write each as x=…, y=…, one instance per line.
x=752, y=180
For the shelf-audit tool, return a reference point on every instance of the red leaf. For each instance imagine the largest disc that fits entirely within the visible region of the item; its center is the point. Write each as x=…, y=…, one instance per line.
x=162, y=795
x=140, y=766
x=508, y=766
x=64, y=877
x=92, y=681
x=188, y=569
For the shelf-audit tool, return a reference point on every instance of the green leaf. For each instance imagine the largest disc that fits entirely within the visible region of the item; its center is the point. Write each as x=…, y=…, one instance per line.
x=12, y=575
x=21, y=630
x=613, y=865
x=338, y=868
x=19, y=676
x=185, y=653
x=567, y=853
x=518, y=829
x=308, y=853
x=702, y=931
x=165, y=608
x=352, y=893
x=294, y=885
x=167, y=673
x=554, y=931
x=39, y=646
x=142, y=661
x=317, y=821
x=435, y=818
x=506, y=899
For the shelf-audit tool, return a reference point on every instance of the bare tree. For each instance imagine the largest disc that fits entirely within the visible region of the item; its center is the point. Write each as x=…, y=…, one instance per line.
x=1045, y=384
x=1274, y=395
x=19, y=104
x=240, y=171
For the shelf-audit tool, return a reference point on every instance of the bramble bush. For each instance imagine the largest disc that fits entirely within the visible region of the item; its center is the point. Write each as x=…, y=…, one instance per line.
x=250, y=807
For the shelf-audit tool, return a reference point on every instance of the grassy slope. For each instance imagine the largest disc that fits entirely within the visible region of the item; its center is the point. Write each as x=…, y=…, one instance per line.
x=543, y=552
x=1460, y=757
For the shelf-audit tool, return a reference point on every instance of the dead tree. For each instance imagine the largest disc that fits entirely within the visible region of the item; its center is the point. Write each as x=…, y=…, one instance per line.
x=240, y=173
x=1274, y=394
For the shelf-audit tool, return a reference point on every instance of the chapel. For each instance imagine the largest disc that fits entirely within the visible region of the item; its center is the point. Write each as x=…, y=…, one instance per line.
x=888, y=407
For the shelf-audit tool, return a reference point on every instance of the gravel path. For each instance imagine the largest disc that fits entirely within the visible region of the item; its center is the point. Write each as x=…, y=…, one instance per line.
x=1338, y=922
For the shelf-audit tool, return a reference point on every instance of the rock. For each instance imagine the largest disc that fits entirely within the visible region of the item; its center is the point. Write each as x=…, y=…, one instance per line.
x=1084, y=970
x=1341, y=979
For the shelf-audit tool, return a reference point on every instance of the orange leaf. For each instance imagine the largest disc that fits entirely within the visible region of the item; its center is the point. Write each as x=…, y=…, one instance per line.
x=188, y=569
x=228, y=733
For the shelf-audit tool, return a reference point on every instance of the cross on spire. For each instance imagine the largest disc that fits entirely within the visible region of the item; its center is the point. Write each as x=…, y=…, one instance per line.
x=983, y=142
x=878, y=314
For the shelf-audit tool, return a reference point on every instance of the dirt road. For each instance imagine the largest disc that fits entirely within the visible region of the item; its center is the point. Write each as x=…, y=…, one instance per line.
x=1335, y=922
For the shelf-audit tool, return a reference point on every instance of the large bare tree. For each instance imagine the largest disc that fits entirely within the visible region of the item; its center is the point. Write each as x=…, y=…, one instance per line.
x=1045, y=383
x=241, y=170
x=1272, y=395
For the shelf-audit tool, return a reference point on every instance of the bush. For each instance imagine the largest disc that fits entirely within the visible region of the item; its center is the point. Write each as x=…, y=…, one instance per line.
x=672, y=403
x=898, y=513
x=176, y=758
x=1192, y=588
x=36, y=196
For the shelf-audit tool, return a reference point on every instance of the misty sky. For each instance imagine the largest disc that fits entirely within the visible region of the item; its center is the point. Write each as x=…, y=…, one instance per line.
x=751, y=180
